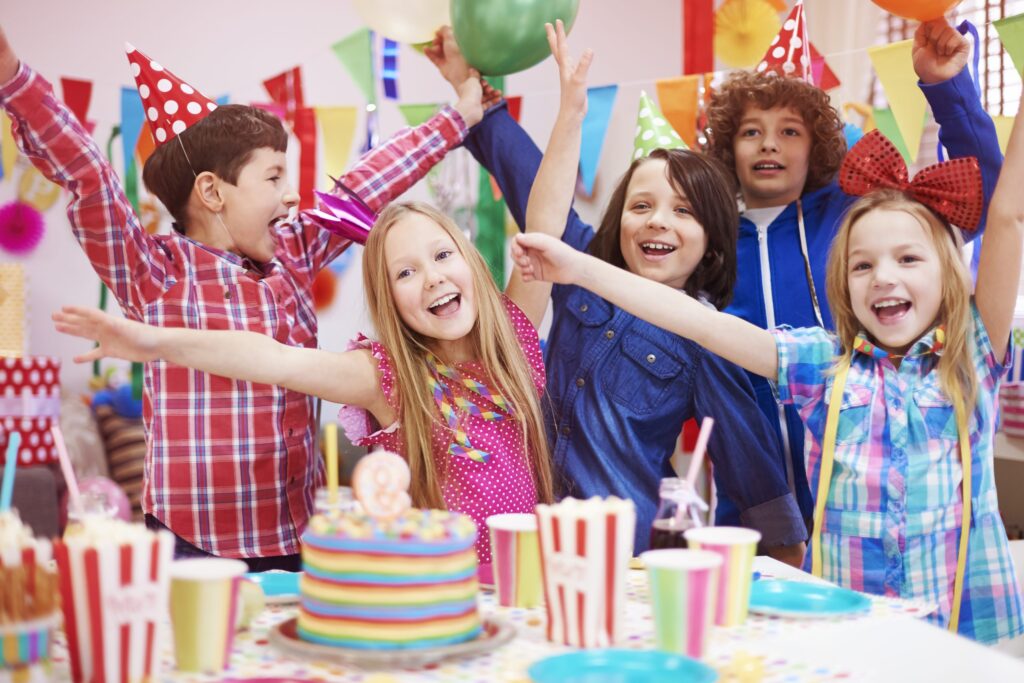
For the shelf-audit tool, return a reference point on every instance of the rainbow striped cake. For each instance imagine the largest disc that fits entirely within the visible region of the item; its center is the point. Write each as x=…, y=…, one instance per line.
x=407, y=583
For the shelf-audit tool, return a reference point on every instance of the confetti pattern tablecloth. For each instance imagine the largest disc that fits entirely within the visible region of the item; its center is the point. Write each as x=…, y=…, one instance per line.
x=741, y=654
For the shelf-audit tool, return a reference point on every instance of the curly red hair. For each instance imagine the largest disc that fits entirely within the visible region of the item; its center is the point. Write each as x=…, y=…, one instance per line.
x=767, y=90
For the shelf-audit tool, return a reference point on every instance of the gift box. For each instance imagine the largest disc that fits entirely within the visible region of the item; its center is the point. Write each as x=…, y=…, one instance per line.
x=30, y=405
x=13, y=320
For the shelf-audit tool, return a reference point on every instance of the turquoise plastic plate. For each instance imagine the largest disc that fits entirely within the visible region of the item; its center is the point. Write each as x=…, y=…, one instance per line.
x=805, y=600
x=279, y=587
x=621, y=666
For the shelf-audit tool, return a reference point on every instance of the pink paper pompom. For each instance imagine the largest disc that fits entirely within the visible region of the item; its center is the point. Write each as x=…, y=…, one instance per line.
x=21, y=227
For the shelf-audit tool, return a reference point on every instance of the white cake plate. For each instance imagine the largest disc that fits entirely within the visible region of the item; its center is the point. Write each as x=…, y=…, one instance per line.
x=496, y=632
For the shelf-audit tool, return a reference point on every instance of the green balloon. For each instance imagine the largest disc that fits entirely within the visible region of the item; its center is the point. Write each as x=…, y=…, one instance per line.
x=501, y=37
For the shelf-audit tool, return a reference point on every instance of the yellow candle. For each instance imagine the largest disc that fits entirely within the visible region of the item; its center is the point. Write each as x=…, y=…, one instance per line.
x=331, y=455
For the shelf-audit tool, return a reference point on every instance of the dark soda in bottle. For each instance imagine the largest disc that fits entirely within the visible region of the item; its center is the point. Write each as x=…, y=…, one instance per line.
x=673, y=516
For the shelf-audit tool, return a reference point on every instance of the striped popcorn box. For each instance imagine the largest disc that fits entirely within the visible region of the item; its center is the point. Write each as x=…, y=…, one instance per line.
x=1011, y=408
x=515, y=554
x=114, y=581
x=29, y=609
x=737, y=547
x=683, y=585
x=585, y=548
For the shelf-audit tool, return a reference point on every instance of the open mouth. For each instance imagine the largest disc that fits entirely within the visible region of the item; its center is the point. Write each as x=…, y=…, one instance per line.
x=280, y=221
x=890, y=310
x=446, y=305
x=656, y=248
x=768, y=166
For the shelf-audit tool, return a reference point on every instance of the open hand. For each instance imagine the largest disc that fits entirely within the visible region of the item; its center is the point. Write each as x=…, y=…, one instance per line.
x=475, y=94
x=939, y=52
x=546, y=258
x=572, y=73
x=117, y=337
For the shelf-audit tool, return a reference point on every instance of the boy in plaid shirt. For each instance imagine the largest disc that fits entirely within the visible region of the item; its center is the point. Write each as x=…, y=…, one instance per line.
x=230, y=466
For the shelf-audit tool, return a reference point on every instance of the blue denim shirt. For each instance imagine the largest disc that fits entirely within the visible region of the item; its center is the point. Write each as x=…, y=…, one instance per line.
x=619, y=388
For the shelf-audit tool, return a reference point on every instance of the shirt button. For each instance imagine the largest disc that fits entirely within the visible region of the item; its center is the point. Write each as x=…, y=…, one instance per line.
x=583, y=308
x=565, y=431
x=609, y=334
x=227, y=294
x=290, y=431
x=651, y=358
x=580, y=382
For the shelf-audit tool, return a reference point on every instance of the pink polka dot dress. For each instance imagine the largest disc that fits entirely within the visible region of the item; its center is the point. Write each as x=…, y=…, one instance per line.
x=504, y=483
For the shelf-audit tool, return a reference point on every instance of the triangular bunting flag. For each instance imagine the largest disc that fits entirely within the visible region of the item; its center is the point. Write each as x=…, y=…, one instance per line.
x=515, y=106
x=678, y=100
x=885, y=122
x=1004, y=124
x=77, y=94
x=600, y=101
x=338, y=128
x=132, y=118
x=824, y=77
x=1011, y=34
x=415, y=114
x=895, y=70
x=285, y=90
x=355, y=52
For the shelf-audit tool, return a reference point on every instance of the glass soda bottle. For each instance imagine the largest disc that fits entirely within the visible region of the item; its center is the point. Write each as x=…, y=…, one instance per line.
x=673, y=516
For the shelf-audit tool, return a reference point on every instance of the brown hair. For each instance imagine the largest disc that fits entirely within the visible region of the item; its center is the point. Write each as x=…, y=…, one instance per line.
x=495, y=344
x=221, y=143
x=956, y=370
x=711, y=192
x=767, y=90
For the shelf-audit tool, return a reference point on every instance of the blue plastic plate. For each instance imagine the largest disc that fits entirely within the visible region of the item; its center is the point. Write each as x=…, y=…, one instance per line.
x=621, y=666
x=278, y=586
x=805, y=600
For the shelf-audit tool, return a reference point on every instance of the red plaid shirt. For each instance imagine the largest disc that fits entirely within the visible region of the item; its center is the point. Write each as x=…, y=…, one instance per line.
x=230, y=465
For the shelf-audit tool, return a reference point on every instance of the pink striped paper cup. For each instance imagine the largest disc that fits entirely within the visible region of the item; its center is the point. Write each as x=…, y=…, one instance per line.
x=737, y=547
x=515, y=554
x=683, y=585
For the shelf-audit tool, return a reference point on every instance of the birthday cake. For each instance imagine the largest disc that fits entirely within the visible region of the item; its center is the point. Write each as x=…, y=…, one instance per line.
x=382, y=575
x=405, y=582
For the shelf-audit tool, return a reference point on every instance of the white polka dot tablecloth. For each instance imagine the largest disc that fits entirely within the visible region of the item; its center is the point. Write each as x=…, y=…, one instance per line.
x=742, y=654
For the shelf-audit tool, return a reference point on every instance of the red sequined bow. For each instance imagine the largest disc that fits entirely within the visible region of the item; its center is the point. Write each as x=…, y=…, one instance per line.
x=951, y=188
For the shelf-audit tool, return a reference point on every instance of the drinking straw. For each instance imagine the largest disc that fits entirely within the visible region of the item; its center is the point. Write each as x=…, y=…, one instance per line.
x=698, y=451
x=331, y=455
x=7, y=488
x=65, y=467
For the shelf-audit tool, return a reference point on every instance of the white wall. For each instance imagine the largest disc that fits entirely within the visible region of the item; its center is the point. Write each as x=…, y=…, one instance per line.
x=231, y=46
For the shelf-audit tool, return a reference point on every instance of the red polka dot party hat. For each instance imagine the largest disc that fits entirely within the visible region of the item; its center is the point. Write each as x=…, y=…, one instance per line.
x=171, y=104
x=790, y=52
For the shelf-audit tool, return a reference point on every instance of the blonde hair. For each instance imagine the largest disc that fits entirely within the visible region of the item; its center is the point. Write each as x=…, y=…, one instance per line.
x=955, y=367
x=495, y=344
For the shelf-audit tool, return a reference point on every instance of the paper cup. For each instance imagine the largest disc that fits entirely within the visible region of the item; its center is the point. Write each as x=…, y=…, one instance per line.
x=737, y=547
x=113, y=582
x=683, y=586
x=204, y=611
x=515, y=557
x=585, y=550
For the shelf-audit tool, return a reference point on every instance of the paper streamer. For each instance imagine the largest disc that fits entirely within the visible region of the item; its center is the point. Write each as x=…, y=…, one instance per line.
x=389, y=69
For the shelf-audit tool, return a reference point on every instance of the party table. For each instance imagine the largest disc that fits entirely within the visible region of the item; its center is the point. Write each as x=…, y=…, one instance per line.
x=891, y=642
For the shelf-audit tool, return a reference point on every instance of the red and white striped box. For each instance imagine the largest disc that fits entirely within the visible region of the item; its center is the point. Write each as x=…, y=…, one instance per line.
x=1011, y=408
x=115, y=583
x=30, y=405
x=585, y=548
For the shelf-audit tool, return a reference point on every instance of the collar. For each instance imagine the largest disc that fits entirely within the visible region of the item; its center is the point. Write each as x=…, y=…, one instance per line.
x=932, y=342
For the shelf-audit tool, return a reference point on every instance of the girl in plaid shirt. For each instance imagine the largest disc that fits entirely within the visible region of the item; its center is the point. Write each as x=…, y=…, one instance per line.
x=901, y=459
x=454, y=384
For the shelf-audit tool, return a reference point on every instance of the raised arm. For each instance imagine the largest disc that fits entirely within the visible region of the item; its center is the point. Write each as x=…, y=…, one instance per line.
x=940, y=56
x=123, y=255
x=348, y=378
x=551, y=196
x=542, y=257
x=999, y=267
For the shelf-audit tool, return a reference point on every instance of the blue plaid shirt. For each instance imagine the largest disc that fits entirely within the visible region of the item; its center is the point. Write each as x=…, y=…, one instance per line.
x=892, y=518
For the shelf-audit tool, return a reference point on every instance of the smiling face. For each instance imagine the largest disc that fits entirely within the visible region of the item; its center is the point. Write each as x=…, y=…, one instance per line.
x=254, y=204
x=772, y=150
x=660, y=236
x=431, y=284
x=895, y=274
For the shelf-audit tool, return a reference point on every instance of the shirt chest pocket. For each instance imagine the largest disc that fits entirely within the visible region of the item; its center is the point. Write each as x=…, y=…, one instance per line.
x=937, y=412
x=854, y=415
x=588, y=315
x=644, y=373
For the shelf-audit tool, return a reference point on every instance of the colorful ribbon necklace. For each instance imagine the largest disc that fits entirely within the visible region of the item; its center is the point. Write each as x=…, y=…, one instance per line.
x=448, y=404
x=862, y=345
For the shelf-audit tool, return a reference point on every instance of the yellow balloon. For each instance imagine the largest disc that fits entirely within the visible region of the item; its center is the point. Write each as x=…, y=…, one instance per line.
x=405, y=21
x=34, y=189
x=743, y=31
